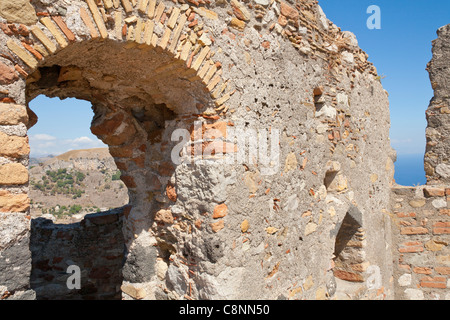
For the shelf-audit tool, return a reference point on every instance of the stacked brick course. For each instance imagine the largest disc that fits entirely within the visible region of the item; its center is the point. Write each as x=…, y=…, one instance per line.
x=421, y=233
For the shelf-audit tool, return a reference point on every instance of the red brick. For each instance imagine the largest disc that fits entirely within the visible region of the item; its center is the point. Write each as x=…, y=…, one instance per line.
x=171, y=192
x=404, y=267
x=288, y=11
x=129, y=181
x=100, y=273
x=406, y=214
x=413, y=230
x=265, y=44
x=126, y=211
x=6, y=29
x=153, y=183
x=444, y=212
x=166, y=169
x=240, y=12
x=106, y=127
x=139, y=161
x=441, y=228
x=220, y=211
x=122, y=151
x=114, y=257
x=441, y=224
x=443, y=270
x=411, y=247
x=191, y=16
x=121, y=166
x=64, y=235
x=348, y=276
x=405, y=223
x=7, y=74
x=209, y=131
x=436, y=282
x=433, y=192
x=282, y=21
x=423, y=270
x=62, y=25
x=23, y=30
x=43, y=265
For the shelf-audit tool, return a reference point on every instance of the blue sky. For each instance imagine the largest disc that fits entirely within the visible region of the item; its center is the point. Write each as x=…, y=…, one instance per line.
x=400, y=50
x=63, y=125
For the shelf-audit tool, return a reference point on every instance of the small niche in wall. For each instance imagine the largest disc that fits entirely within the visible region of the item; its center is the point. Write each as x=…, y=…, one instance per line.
x=349, y=255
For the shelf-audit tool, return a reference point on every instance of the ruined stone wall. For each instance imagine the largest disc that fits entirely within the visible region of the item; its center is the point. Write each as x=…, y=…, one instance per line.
x=200, y=228
x=95, y=245
x=437, y=166
x=421, y=234
x=420, y=215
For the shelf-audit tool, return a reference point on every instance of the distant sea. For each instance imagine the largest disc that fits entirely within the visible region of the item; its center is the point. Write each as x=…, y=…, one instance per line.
x=409, y=170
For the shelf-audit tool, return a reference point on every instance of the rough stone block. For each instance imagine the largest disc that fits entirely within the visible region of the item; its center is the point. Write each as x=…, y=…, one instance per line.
x=13, y=173
x=12, y=114
x=140, y=264
x=413, y=230
x=14, y=202
x=15, y=265
x=20, y=11
x=433, y=192
x=13, y=146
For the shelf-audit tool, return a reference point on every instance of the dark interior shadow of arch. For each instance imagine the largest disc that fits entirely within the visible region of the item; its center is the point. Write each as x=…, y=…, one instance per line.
x=95, y=245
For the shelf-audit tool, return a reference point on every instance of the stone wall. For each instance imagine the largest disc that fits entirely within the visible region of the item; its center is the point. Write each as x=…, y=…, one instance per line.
x=421, y=234
x=249, y=227
x=437, y=165
x=421, y=224
x=95, y=245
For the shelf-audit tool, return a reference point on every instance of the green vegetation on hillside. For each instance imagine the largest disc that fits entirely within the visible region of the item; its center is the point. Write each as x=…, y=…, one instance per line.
x=61, y=182
x=61, y=211
x=116, y=176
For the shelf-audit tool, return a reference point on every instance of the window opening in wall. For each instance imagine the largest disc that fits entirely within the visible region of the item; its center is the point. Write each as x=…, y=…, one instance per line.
x=71, y=170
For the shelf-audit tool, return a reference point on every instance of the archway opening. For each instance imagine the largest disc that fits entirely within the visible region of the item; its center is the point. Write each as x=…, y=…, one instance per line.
x=71, y=170
x=139, y=96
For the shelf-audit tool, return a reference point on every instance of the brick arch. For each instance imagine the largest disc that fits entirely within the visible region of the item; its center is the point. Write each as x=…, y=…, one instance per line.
x=56, y=56
x=147, y=25
x=40, y=51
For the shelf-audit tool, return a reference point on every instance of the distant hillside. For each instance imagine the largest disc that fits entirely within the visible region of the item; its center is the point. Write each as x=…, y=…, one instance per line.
x=35, y=161
x=75, y=183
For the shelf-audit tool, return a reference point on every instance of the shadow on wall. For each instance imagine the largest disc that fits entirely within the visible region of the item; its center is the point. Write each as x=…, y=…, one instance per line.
x=349, y=248
x=95, y=247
